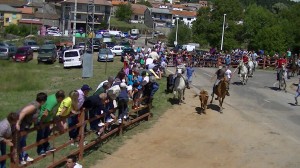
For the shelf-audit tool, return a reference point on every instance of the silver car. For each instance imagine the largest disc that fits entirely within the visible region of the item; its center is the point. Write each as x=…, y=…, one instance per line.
x=4, y=53
x=31, y=43
x=105, y=54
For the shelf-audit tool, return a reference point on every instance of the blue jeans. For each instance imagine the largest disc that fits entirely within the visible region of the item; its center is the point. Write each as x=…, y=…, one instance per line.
x=22, y=143
x=43, y=133
x=155, y=87
x=73, y=120
x=3, y=152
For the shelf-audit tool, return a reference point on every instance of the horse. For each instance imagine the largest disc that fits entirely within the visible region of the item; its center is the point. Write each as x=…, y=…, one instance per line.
x=251, y=68
x=203, y=96
x=179, y=88
x=243, y=73
x=220, y=90
x=282, y=78
x=293, y=68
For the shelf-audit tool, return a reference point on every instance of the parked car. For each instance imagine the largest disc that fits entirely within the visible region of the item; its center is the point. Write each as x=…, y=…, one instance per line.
x=130, y=51
x=81, y=45
x=73, y=58
x=105, y=54
x=23, y=54
x=125, y=35
x=134, y=36
x=125, y=44
x=4, y=54
x=96, y=44
x=31, y=43
x=117, y=50
x=110, y=44
x=47, y=53
x=12, y=49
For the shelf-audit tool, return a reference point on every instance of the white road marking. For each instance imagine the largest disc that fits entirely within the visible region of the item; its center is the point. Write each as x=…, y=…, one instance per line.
x=207, y=74
x=267, y=101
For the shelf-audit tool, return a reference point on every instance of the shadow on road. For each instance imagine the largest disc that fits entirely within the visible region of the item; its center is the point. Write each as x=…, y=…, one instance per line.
x=273, y=88
x=173, y=101
x=214, y=107
x=237, y=83
x=199, y=110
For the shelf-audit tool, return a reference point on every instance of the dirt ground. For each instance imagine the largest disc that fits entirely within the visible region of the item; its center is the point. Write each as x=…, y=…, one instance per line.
x=182, y=138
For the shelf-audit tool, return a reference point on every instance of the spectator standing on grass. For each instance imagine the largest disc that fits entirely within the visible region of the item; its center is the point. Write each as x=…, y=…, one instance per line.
x=46, y=115
x=73, y=120
x=27, y=115
x=72, y=162
x=6, y=131
x=69, y=104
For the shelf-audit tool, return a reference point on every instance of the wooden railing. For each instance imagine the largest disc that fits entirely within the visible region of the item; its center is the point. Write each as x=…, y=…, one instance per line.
x=135, y=115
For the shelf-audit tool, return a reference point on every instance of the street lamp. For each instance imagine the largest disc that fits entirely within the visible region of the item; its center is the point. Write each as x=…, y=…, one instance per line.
x=223, y=32
x=176, y=42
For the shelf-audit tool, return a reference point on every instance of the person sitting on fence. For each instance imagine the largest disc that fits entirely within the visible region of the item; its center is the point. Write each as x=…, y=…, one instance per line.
x=6, y=132
x=27, y=116
x=72, y=162
x=110, y=80
x=46, y=115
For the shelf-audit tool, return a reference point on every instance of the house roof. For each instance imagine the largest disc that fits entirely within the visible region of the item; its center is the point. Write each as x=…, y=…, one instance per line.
x=31, y=21
x=185, y=13
x=116, y=2
x=96, y=2
x=15, y=3
x=138, y=9
x=157, y=10
x=50, y=16
x=7, y=8
x=26, y=10
x=177, y=6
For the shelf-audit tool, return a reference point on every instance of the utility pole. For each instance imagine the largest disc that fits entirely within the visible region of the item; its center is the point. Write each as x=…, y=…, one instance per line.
x=74, y=22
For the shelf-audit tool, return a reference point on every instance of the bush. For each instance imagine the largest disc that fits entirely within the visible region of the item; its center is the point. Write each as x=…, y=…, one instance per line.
x=21, y=30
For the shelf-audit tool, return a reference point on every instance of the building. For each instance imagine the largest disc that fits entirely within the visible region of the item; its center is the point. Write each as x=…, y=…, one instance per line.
x=138, y=13
x=158, y=17
x=203, y=4
x=101, y=14
x=9, y=15
x=186, y=16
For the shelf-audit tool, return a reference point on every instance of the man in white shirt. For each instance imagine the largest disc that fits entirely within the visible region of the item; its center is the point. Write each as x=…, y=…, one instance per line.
x=154, y=55
x=228, y=75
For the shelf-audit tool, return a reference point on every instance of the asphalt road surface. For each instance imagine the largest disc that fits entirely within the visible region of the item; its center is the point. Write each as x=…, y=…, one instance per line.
x=259, y=100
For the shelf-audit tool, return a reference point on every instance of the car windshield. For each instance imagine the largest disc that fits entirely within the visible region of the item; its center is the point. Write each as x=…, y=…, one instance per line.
x=43, y=51
x=104, y=51
x=3, y=50
x=71, y=54
x=32, y=43
x=21, y=51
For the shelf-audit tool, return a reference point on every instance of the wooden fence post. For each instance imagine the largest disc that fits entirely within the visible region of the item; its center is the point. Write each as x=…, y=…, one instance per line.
x=14, y=158
x=264, y=64
x=81, y=133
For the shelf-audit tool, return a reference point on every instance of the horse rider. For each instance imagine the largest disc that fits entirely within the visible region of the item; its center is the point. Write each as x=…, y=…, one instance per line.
x=180, y=70
x=220, y=73
x=245, y=60
x=254, y=56
x=279, y=65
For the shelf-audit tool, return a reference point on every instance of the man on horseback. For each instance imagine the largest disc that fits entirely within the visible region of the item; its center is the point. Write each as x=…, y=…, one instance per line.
x=245, y=60
x=220, y=73
x=279, y=65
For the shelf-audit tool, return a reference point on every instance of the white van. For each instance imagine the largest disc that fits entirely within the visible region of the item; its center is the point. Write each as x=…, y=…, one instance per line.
x=115, y=33
x=73, y=58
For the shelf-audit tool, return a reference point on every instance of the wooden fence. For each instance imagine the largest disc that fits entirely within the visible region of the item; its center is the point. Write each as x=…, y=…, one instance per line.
x=135, y=115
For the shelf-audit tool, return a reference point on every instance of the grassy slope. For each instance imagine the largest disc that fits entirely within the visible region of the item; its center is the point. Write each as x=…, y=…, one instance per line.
x=20, y=82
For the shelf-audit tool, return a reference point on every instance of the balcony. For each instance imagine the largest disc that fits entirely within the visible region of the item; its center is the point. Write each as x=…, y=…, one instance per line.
x=162, y=20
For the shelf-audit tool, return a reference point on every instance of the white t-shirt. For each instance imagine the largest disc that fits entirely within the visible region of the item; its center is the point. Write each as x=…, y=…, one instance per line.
x=228, y=73
x=149, y=61
x=101, y=84
x=154, y=55
x=77, y=165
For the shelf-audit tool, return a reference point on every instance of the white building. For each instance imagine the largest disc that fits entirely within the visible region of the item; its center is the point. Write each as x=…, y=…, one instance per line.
x=186, y=16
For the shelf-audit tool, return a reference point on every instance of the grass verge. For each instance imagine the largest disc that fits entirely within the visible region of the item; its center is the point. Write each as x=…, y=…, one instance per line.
x=20, y=82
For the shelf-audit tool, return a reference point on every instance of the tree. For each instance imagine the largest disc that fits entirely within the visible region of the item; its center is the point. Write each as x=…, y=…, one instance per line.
x=124, y=12
x=146, y=3
x=183, y=35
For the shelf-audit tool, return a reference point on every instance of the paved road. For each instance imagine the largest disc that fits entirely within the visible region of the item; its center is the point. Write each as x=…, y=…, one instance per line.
x=258, y=101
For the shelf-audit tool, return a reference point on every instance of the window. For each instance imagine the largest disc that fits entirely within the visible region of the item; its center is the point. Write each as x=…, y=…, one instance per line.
x=7, y=20
x=189, y=19
x=136, y=17
x=181, y=18
x=79, y=7
x=78, y=16
x=14, y=16
x=97, y=8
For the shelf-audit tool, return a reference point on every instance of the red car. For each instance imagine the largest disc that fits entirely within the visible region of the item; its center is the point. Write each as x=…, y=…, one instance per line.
x=23, y=54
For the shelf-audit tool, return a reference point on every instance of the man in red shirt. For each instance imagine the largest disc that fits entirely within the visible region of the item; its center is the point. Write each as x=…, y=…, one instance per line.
x=279, y=65
x=245, y=59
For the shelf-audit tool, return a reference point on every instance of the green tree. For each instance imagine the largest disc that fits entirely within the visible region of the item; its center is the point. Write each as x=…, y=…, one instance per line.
x=183, y=35
x=124, y=12
x=146, y=3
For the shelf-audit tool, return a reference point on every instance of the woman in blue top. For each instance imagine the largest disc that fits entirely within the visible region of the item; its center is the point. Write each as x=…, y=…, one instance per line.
x=130, y=78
